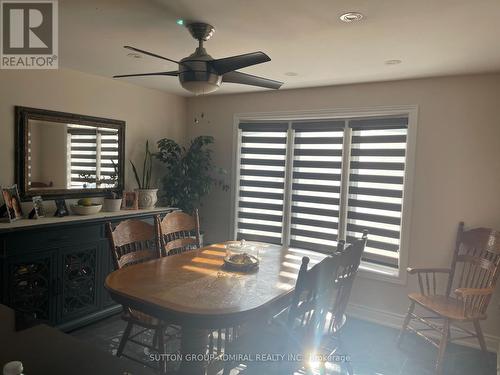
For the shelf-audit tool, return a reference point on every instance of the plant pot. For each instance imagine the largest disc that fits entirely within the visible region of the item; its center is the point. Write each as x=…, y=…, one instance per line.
x=112, y=205
x=147, y=198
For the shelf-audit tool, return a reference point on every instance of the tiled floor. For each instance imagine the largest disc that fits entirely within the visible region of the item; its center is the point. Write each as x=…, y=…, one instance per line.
x=372, y=349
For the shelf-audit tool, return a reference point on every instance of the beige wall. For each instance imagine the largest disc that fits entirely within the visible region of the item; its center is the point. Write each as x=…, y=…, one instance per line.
x=457, y=175
x=49, y=159
x=149, y=114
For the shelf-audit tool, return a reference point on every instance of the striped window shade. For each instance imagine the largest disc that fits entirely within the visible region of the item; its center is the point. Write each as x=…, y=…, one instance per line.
x=316, y=184
x=260, y=205
x=108, y=155
x=83, y=143
x=376, y=181
x=93, y=151
x=306, y=184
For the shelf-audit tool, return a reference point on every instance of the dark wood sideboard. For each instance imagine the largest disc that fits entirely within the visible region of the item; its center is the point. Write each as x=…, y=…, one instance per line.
x=53, y=272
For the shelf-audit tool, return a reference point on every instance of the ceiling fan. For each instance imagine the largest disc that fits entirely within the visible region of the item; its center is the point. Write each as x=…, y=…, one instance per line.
x=199, y=73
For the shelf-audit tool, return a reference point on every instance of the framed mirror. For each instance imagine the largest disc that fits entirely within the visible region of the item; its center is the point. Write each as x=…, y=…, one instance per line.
x=68, y=155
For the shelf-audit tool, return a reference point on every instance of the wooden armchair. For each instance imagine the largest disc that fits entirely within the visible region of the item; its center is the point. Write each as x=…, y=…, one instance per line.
x=178, y=232
x=132, y=242
x=471, y=280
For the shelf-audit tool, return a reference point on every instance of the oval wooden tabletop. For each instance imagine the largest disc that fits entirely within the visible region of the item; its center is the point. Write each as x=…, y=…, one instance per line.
x=194, y=286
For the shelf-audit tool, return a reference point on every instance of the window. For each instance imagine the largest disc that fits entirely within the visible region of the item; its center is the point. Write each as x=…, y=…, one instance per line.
x=309, y=183
x=93, y=156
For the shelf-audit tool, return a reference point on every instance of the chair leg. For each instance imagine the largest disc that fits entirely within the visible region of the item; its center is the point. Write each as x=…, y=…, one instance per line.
x=124, y=339
x=406, y=322
x=160, y=334
x=480, y=337
x=442, y=347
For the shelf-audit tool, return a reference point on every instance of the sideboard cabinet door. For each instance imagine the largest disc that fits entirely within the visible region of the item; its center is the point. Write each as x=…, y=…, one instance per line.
x=78, y=287
x=108, y=267
x=31, y=285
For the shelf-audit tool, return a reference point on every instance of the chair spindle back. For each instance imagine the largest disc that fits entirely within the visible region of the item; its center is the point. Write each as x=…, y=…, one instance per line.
x=311, y=298
x=178, y=232
x=131, y=242
x=348, y=260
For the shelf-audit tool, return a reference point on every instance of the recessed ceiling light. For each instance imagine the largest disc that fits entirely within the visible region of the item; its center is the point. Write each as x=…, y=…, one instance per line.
x=351, y=17
x=134, y=55
x=393, y=62
x=291, y=74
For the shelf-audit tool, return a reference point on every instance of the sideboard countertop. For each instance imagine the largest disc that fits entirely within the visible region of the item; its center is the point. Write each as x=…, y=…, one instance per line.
x=48, y=221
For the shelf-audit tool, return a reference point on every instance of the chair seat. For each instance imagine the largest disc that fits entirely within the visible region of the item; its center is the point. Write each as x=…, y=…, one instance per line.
x=448, y=307
x=139, y=317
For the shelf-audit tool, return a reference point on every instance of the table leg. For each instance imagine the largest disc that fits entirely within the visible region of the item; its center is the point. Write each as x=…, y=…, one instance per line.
x=194, y=342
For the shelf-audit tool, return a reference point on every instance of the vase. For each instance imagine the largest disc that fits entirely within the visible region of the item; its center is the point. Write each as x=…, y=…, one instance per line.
x=112, y=205
x=147, y=198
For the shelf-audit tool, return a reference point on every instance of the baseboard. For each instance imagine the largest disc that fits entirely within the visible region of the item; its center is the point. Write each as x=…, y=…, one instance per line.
x=393, y=320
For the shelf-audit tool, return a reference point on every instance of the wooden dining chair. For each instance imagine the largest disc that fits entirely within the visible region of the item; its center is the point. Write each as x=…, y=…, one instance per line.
x=314, y=318
x=464, y=298
x=178, y=232
x=348, y=260
x=301, y=330
x=132, y=242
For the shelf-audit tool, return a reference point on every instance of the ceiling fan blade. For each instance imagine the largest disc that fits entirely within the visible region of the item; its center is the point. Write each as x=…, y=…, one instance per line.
x=228, y=64
x=150, y=54
x=248, y=79
x=173, y=73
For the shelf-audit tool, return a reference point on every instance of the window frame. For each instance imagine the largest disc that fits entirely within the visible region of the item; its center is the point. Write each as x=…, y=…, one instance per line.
x=367, y=269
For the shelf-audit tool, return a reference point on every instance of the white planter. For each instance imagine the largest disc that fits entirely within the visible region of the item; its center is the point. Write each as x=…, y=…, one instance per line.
x=147, y=198
x=112, y=205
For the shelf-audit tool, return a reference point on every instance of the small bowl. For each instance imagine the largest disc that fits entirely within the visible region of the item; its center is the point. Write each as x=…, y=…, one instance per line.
x=86, y=210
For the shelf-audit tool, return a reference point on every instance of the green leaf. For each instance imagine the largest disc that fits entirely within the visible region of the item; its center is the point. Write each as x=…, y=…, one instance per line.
x=136, y=175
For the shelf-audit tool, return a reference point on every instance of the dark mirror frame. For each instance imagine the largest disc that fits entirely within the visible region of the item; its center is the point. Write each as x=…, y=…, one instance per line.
x=24, y=114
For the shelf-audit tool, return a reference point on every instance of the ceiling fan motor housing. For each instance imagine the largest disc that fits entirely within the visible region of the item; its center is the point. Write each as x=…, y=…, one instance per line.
x=197, y=75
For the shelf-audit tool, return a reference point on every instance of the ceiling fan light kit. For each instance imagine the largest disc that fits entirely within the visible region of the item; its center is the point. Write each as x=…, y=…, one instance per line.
x=201, y=74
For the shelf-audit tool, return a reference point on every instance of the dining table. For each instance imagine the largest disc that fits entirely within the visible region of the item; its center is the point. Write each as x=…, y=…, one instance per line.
x=196, y=291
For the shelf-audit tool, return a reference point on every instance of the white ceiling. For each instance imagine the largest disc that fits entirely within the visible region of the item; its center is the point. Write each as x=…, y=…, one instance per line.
x=431, y=37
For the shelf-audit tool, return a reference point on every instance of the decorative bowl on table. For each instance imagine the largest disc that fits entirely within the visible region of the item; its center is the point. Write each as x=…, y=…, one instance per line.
x=87, y=209
x=241, y=256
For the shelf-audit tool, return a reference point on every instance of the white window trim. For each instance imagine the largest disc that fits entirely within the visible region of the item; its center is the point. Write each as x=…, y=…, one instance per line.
x=367, y=270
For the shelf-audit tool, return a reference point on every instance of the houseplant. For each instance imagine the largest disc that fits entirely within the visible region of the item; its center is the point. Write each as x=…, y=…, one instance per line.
x=113, y=202
x=189, y=173
x=147, y=195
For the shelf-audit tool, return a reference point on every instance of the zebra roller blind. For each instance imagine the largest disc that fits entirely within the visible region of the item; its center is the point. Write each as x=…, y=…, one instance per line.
x=315, y=190
x=93, y=152
x=308, y=184
x=262, y=181
x=376, y=182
